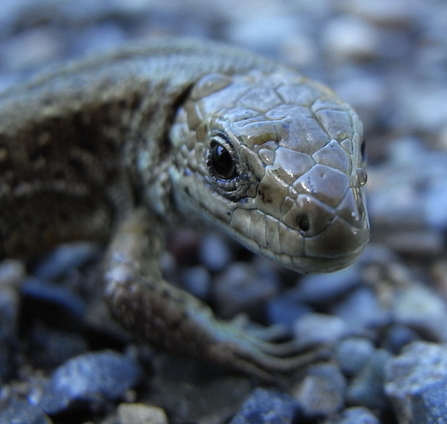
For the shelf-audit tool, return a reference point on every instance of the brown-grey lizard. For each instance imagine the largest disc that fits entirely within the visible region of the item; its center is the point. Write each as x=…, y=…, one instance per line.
x=121, y=146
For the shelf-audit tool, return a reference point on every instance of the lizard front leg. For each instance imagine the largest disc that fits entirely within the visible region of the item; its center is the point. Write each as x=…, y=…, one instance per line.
x=159, y=313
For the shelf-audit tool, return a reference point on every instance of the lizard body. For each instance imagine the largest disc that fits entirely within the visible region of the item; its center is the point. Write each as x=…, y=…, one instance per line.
x=123, y=145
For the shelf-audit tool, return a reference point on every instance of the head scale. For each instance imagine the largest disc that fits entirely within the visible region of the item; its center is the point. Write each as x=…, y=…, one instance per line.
x=275, y=160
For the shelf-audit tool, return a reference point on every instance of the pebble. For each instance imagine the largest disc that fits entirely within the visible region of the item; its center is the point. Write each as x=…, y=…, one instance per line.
x=58, y=301
x=383, y=12
x=21, y=412
x=398, y=336
x=250, y=30
x=215, y=252
x=319, y=289
x=134, y=413
x=413, y=177
x=267, y=406
x=350, y=38
x=362, y=311
x=285, y=309
x=423, y=107
x=356, y=415
x=421, y=309
x=321, y=392
x=313, y=329
x=416, y=383
x=366, y=389
x=88, y=380
x=353, y=353
x=62, y=260
x=49, y=348
x=30, y=49
x=197, y=280
x=243, y=287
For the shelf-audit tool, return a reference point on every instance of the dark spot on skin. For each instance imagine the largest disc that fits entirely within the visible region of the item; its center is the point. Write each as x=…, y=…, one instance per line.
x=264, y=196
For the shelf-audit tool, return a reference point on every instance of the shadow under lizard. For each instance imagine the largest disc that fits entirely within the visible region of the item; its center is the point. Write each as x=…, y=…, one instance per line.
x=119, y=147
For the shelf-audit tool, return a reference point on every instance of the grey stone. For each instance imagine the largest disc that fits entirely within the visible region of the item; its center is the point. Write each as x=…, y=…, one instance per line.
x=366, y=389
x=89, y=380
x=320, y=288
x=361, y=310
x=356, y=415
x=313, y=329
x=243, y=287
x=20, y=412
x=353, y=354
x=416, y=383
x=420, y=308
x=266, y=407
x=215, y=253
x=321, y=393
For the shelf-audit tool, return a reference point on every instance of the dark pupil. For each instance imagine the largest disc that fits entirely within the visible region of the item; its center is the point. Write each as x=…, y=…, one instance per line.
x=222, y=162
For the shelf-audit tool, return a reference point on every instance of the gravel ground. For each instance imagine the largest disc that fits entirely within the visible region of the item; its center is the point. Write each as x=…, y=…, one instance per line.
x=62, y=358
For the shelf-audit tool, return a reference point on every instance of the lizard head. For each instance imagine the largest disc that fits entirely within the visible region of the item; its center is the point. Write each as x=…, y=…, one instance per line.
x=277, y=161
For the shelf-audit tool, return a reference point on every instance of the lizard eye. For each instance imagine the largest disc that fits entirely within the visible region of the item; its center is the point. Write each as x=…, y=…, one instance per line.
x=221, y=158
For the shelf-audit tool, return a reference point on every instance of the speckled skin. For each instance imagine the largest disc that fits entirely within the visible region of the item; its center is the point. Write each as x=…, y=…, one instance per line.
x=118, y=147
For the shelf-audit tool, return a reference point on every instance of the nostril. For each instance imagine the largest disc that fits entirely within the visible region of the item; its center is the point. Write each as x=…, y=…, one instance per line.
x=303, y=222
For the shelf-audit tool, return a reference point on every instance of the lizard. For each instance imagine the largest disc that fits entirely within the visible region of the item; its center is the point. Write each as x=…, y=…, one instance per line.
x=117, y=148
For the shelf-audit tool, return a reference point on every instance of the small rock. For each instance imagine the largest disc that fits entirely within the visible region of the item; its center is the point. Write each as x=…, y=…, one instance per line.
x=422, y=309
x=101, y=37
x=197, y=281
x=243, y=287
x=430, y=404
x=267, y=407
x=251, y=30
x=356, y=415
x=215, y=252
x=361, y=310
x=285, y=309
x=91, y=379
x=423, y=107
x=353, y=354
x=398, y=336
x=49, y=348
x=384, y=12
x=321, y=288
x=20, y=412
x=436, y=204
x=322, y=391
x=313, y=329
x=12, y=271
x=48, y=301
x=367, y=387
x=65, y=258
x=349, y=37
x=135, y=413
x=416, y=383
x=36, y=46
